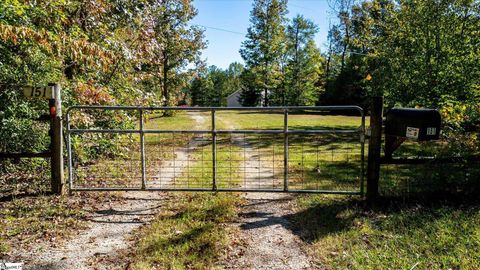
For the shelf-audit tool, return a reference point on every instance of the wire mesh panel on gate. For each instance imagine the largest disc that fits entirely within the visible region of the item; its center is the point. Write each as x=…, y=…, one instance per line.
x=297, y=149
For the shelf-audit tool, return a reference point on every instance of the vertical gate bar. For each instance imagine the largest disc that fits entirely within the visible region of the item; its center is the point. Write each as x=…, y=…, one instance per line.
x=285, y=149
x=214, y=152
x=362, y=150
x=142, y=151
x=69, y=153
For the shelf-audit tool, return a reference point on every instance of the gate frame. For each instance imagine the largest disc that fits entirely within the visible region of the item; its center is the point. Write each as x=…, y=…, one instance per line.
x=213, y=131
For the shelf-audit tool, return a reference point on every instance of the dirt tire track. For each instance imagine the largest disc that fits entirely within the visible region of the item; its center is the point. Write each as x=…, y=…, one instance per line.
x=266, y=238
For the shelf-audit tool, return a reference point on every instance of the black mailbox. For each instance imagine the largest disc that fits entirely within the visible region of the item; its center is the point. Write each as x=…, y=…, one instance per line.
x=418, y=124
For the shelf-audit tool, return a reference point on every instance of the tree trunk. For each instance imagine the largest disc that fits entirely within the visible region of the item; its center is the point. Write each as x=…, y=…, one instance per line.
x=166, y=94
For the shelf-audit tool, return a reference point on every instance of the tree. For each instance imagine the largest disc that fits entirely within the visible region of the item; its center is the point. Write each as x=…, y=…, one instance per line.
x=212, y=85
x=234, y=83
x=181, y=43
x=200, y=90
x=263, y=50
x=101, y=51
x=419, y=53
x=304, y=63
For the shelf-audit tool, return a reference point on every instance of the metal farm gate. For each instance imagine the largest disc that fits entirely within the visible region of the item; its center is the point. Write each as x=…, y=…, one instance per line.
x=264, y=149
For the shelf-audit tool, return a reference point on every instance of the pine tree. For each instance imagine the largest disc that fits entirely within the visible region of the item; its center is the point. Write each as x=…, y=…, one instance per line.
x=263, y=50
x=304, y=63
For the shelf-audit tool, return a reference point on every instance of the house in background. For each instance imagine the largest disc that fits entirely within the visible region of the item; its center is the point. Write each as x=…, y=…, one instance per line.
x=233, y=100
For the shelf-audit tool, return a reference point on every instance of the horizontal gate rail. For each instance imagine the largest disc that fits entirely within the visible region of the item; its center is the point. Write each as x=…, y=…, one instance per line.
x=286, y=131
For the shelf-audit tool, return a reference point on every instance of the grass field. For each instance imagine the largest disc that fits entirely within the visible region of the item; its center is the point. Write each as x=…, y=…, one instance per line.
x=317, y=162
x=341, y=232
x=190, y=233
x=344, y=234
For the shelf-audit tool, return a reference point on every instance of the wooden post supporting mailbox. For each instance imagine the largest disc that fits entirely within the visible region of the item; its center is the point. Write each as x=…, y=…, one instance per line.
x=374, y=147
x=56, y=147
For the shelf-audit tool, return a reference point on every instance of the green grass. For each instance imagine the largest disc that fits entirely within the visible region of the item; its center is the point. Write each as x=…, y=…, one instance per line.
x=256, y=120
x=179, y=121
x=191, y=230
x=340, y=232
x=123, y=168
x=345, y=235
x=189, y=234
x=199, y=173
x=326, y=161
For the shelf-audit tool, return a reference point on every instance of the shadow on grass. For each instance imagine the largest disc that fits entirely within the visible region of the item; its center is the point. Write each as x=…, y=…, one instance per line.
x=324, y=141
x=11, y=197
x=336, y=216
x=188, y=234
x=433, y=180
x=325, y=216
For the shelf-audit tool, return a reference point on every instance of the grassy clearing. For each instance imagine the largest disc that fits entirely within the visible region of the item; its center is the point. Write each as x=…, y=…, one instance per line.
x=47, y=218
x=123, y=168
x=190, y=234
x=344, y=235
x=180, y=121
x=256, y=120
x=327, y=161
x=199, y=173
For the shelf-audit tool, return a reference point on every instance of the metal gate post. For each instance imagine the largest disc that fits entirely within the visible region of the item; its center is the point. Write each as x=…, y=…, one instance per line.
x=69, y=156
x=142, y=151
x=285, y=149
x=214, y=152
x=362, y=153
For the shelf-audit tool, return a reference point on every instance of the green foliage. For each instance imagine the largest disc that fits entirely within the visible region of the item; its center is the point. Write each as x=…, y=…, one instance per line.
x=303, y=65
x=176, y=44
x=212, y=86
x=417, y=52
x=263, y=50
x=283, y=64
x=101, y=52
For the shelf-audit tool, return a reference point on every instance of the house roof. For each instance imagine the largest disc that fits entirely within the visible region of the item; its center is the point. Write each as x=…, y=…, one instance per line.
x=239, y=90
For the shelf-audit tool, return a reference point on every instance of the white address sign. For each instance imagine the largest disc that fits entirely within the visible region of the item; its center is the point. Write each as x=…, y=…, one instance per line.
x=39, y=92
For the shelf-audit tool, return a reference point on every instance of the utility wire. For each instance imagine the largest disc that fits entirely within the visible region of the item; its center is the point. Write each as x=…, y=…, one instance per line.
x=221, y=29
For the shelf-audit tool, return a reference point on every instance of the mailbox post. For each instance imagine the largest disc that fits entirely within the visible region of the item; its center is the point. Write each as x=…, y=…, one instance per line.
x=374, y=147
x=58, y=180
x=52, y=93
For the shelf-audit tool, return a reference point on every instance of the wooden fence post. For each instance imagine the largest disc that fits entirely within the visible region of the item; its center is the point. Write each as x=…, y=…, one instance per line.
x=374, y=147
x=58, y=181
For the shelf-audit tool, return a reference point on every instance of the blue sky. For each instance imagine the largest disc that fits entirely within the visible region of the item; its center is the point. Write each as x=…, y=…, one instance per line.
x=234, y=15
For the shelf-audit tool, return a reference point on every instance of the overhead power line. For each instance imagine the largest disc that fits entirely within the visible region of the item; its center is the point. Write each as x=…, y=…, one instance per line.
x=221, y=29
